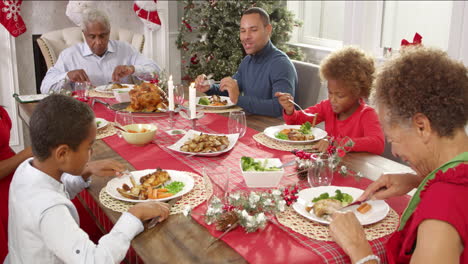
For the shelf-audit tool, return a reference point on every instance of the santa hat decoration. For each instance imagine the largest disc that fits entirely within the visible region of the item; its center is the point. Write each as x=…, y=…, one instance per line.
x=75, y=10
x=148, y=13
x=10, y=17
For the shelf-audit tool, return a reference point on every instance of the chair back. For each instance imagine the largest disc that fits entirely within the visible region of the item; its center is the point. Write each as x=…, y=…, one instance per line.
x=52, y=43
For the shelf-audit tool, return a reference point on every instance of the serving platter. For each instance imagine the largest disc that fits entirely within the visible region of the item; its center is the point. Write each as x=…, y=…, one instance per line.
x=192, y=133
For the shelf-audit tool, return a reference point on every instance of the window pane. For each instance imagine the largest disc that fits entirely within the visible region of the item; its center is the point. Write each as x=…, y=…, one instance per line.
x=402, y=19
x=333, y=20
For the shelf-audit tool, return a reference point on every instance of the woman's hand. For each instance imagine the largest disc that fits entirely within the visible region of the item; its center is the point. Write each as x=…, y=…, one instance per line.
x=149, y=210
x=348, y=233
x=283, y=99
x=390, y=185
x=321, y=145
x=103, y=168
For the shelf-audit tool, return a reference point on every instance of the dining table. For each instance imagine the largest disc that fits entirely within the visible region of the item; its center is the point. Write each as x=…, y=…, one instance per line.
x=189, y=239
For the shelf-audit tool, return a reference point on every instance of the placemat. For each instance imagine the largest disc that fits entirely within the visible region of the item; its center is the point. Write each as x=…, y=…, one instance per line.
x=94, y=93
x=314, y=230
x=106, y=131
x=274, y=144
x=201, y=190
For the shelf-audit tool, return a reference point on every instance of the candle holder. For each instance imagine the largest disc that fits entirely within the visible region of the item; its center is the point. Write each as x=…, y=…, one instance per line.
x=193, y=121
x=171, y=118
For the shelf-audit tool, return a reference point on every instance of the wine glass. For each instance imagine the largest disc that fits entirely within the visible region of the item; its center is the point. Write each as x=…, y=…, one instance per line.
x=237, y=123
x=179, y=90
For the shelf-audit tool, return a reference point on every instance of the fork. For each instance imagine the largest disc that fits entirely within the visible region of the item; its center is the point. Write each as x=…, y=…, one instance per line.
x=304, y=112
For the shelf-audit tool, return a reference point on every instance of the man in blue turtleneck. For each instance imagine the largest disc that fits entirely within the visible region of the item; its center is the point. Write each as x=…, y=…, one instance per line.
x=263, y=72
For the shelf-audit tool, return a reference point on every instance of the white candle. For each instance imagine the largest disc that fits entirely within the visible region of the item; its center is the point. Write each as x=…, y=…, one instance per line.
x=193, y=101
x=170, y=89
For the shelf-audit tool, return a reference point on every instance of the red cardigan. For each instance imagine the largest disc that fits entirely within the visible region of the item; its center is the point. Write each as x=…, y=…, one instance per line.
x=363, y=126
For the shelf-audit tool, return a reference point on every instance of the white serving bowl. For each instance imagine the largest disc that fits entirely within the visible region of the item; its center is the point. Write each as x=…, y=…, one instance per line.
x=122, y=95
x=264, y=179
x=139, y=138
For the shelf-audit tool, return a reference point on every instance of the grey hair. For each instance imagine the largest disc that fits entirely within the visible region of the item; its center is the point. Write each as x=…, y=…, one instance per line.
x=92, y=16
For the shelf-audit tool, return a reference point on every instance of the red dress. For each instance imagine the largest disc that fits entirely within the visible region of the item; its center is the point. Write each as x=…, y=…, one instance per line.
x=5, y=153
x=363, y=126
x=444, y=198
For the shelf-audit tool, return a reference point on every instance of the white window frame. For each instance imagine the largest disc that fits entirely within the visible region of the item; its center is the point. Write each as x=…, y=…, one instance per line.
x=363, y=27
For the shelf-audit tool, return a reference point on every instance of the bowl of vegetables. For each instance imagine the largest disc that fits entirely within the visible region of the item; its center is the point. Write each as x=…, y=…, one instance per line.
x=261, y=172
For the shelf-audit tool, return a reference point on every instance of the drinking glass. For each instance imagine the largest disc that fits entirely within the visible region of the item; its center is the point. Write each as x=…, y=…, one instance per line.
x=237, y=123
x=123, y=118
x=321, y=171
x=81, y=90
x=179, y=90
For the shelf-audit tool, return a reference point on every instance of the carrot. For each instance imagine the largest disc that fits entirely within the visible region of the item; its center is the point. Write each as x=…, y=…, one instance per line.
x=164, y=195
x=163, y=190
x=154, y=194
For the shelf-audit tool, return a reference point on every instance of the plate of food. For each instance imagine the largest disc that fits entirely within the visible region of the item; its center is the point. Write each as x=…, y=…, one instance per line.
x=319, y=203
x=101, y=123
x=109, y=88
x=152, y=184
x=295, y=134
x=204, y=144
x=214, y=102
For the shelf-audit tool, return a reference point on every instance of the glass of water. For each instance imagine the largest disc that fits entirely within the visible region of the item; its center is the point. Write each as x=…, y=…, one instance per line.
x=237, y=123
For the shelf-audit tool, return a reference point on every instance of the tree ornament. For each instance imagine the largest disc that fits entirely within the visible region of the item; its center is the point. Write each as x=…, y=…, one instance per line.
x=10, y=17
x=147, y=11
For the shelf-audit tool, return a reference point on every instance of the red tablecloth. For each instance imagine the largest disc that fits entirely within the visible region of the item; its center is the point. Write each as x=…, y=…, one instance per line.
x=274, y=244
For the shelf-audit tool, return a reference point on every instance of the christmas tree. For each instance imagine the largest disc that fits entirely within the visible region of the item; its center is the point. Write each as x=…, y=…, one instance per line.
x=209, y=35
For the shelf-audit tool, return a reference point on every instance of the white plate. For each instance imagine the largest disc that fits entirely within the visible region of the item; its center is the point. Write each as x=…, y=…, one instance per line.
x=102, y=122
x=378, y=211
x=273, y=130
x=223, y=98
x=192, y=133
x=106, y=88
x=181, y=176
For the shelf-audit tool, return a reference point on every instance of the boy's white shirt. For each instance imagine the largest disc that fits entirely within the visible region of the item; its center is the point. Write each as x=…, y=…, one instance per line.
x=43, y=224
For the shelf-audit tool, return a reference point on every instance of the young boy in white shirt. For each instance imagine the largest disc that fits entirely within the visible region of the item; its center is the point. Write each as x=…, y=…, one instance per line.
x=43, y=222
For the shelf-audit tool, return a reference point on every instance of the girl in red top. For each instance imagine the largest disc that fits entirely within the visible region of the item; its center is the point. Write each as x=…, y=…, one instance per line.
x=8, y=163
x=349, y=73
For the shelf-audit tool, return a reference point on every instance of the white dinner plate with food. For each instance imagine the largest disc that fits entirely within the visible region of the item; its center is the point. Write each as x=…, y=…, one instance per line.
x=379, y=208
x=191, y=134
x=109, y=88
x=179, y=176
x=101, y=123
x=220, y=102
x=273, y=131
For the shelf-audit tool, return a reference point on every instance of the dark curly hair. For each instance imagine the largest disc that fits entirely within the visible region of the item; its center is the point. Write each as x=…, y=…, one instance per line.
x=351, y=65
x=424, y=80
x=57, y=120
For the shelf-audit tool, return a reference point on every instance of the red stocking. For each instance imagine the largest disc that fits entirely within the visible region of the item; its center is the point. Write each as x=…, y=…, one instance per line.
x=10, y=17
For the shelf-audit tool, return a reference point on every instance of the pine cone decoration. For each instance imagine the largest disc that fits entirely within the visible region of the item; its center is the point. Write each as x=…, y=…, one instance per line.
x=226, y=221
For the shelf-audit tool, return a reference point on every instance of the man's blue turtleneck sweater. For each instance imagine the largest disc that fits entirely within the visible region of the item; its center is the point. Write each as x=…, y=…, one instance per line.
x=259, y=77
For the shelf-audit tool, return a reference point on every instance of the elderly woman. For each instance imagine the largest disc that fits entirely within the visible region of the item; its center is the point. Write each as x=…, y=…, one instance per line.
x=421, y=97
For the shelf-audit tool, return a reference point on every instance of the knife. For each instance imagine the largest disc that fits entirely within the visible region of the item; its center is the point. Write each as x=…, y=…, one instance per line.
x=149, y=224
x=289, y=163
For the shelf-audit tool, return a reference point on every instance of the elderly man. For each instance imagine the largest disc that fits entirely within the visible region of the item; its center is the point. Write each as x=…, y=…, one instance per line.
x=97, y=61
x=263, y=72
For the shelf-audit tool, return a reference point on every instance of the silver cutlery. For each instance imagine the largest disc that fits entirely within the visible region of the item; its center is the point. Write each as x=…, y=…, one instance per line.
x=154, y=221
x=287, y=164
x=304, y=112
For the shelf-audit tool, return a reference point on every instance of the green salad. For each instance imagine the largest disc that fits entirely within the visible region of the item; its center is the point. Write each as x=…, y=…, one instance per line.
x=174, y=187
x=204, y=101
x=344, y=198
x=249, y=164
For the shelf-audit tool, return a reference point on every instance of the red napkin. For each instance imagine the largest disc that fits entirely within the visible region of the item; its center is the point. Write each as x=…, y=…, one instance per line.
x=416, y=41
